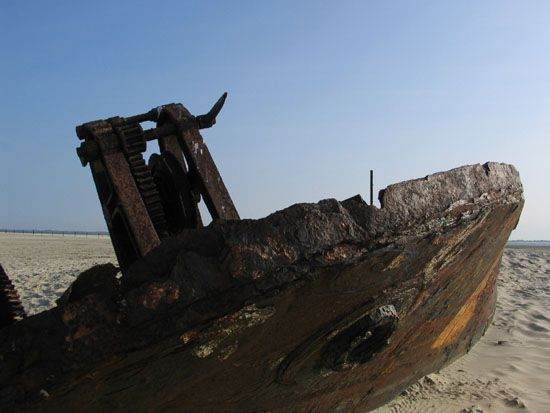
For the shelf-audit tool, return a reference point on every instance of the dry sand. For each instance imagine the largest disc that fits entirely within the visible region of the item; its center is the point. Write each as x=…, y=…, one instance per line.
x=43, y=266
x=507, y=371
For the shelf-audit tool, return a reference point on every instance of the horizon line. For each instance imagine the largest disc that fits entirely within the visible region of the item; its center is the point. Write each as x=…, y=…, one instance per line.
x=80, y=232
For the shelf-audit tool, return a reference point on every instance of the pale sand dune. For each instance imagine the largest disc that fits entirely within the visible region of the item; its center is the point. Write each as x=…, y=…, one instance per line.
x=507, y=371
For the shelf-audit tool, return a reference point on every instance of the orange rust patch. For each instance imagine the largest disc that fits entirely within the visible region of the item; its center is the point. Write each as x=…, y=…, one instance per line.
x=340, y=252
x=189, y=336
x=160, y=293
x=465, y=314
x=396, y=262
x=421, y=298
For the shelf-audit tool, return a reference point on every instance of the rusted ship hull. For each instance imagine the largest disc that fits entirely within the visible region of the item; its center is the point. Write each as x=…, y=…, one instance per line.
x=336, y=306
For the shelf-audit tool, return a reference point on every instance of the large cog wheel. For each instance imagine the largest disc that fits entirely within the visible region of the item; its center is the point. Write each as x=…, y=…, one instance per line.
x=175, y=191
x=134, y=144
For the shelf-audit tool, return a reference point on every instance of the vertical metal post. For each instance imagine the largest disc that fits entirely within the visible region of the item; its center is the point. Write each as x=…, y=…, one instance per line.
x=371, y=186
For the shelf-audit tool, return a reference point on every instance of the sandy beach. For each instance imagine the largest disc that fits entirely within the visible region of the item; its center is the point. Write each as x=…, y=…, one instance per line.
x=507, y=371
x=43, y=266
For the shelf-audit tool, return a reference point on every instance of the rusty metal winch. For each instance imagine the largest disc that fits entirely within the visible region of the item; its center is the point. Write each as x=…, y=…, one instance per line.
x=144, y=202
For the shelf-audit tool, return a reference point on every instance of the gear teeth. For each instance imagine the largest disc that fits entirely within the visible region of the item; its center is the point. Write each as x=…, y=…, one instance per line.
x=11, y=308
x=134, y=144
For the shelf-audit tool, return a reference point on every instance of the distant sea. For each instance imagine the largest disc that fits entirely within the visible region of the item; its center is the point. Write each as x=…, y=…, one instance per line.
x=51, y=232
x=523, y=243
x=512, y=243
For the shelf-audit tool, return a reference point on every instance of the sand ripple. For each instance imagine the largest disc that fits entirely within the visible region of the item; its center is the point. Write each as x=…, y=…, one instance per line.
x=43, y=266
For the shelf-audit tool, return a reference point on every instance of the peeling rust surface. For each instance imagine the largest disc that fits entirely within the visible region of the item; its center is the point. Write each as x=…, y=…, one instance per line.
x=209, y=180
x=334, y=305
x=159, y=293
x=132, y=205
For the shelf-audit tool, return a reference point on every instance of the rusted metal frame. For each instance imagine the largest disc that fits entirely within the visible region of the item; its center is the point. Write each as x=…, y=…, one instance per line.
x=209, y=180
x=127, y=199
x=142, y=228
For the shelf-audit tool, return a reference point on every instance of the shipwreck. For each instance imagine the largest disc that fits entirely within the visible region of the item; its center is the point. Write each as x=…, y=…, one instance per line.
x=333, y=306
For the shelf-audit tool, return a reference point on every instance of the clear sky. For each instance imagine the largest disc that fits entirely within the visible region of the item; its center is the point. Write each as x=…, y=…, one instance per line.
x=319, y=93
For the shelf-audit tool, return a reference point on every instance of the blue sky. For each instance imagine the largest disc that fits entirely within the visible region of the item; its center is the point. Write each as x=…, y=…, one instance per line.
x=319, y=94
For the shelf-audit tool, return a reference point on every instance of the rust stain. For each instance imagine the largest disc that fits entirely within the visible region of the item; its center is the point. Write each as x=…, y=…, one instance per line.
x=224, y=331
x=465, y=314
x=189, y=336
x=452, y=248
x=421, y=298
x=396, y=262
x=341, y=252
x=160, y=293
